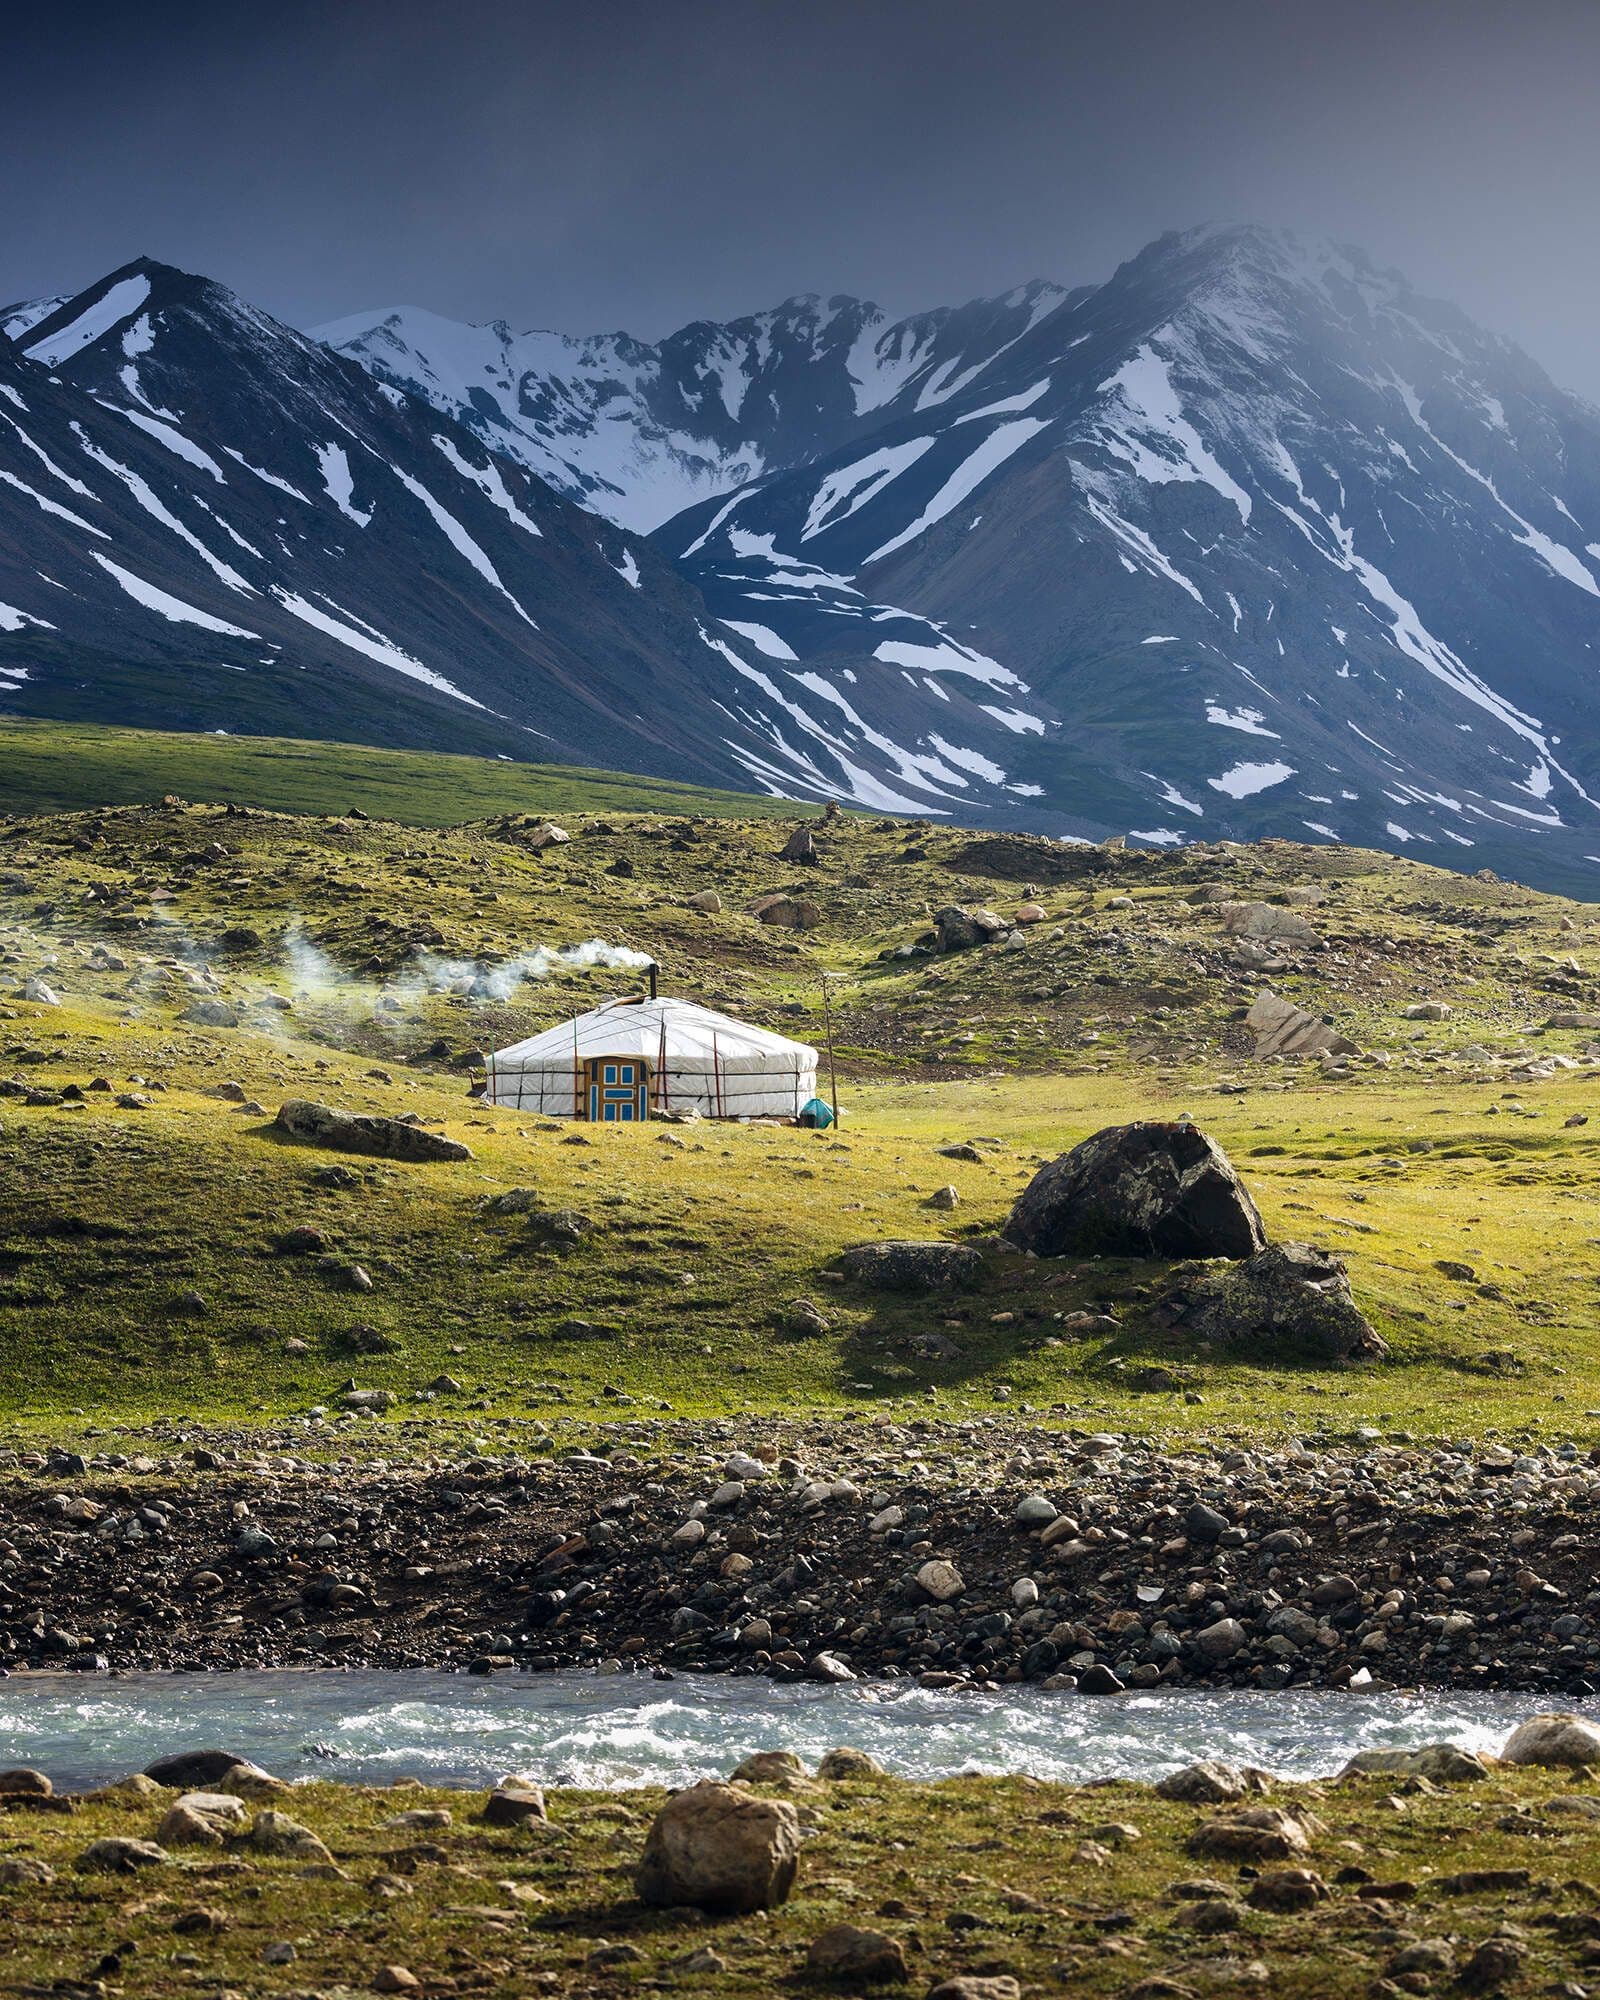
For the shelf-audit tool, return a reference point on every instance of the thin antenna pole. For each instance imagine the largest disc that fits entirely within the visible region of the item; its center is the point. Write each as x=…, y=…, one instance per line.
x=827, y=1023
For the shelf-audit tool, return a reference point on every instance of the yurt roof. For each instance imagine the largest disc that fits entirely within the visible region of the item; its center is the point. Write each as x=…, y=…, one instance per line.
x=633, y=1027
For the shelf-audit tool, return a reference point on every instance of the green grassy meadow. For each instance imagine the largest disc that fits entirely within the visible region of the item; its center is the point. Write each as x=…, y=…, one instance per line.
x=1087, y=1889
x=141, y=1273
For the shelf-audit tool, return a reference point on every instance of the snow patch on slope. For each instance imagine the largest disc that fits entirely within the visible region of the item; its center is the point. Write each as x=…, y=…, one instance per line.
x=167, y=606
x=1245, y=780
x=996, y=448
x=122, y=299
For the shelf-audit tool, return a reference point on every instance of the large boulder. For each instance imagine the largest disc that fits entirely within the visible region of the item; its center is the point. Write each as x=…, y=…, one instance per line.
x=1283, y=1029
x=1559, y=1742
x=846, y=1762
x=201, y=1819
x=358, y=1132
x=1291, y=1299
x=1260, y=1833
x=185, y=1768
x=1210, y=1782
x=119, y=1855
x=22, y=1781
x=786, y=913
x=801, y=847
x=514, y=1802
x=957, y=928
x=716, y=1848
x=276, y=1833
x=1144, y=1190
x=1440, y=1763
x=211, y=1014
x=902, y=1266
x=770, y=1767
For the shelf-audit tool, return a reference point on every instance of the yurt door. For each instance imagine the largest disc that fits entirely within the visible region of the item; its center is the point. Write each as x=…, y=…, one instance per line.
x=619, y=1091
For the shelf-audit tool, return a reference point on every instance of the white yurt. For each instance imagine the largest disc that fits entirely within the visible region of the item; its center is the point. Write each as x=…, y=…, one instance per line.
x=638, y=1057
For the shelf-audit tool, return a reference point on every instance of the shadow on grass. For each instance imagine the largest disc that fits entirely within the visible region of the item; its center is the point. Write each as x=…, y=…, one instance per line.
x=1050, y=1326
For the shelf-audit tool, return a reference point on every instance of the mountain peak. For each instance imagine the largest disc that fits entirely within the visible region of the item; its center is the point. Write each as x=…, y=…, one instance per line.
x=114, y=304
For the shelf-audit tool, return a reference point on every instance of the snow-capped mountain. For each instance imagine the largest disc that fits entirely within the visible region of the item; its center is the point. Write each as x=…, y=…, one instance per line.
x=208, y=520
x=638, y=432
x=1251, y=539
x=16, y=320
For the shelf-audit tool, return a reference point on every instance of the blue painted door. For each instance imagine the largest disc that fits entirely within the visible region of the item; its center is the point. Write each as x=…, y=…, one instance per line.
x=619, y=1092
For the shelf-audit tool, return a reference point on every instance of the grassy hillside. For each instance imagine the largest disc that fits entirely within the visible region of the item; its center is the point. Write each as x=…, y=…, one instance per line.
x=60, y=766
x=141, y=1273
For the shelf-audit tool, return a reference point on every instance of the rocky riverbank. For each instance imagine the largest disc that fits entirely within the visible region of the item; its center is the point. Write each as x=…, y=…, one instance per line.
x=979, y=1552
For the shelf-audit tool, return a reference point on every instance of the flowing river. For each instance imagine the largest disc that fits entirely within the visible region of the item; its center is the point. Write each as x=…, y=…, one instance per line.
x=619, y=1730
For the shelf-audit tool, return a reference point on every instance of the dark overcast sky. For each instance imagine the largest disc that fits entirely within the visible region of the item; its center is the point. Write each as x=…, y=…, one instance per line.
x=615, y=164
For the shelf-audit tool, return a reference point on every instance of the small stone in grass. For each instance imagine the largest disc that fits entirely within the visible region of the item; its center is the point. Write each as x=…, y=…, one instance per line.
x=118, y=1855
x=844, y=1953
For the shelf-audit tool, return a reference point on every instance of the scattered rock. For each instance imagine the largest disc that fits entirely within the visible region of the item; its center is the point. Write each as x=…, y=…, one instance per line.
x=789, y=913
x=941, y=1580
x=211, y=1014
x=801, y=848
x=395, y=1979
x=1208, y=1782
x=769, y=1767
x=513, y=1802
x=25, y=1871
x=1285, y=1889
x=1440, y=1763
x=905, y=1266
x=957, y=928
x=1266, y=920
x=1494, y=1962
x=185, y=1768
x=1283, y=1029
x=1220, y=1640
x=973, y=1986
x=854, y=1957
x=276, y=1833
x=1290, y=1300
x=352, y=1132
x=845, y=1763
x=118, y=1855
x=1259, y=1833
x=24, y=1782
